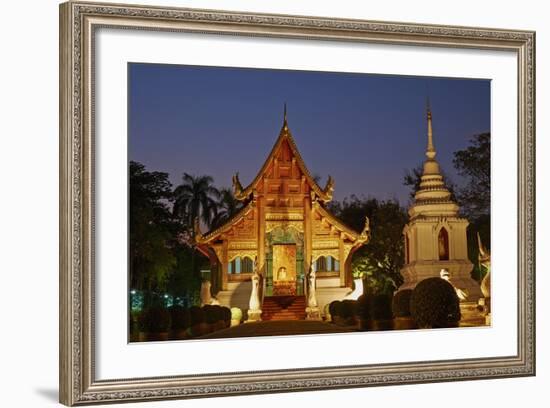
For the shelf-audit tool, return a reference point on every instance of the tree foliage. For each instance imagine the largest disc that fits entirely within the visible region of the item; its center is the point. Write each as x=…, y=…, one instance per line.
x=151, y=229
x=474, y=164
x=196, y=198
x=380, y=260
x=162, y=257
x=226, y=207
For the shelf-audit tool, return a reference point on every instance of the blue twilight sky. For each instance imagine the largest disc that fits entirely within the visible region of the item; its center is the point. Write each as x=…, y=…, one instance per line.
x=364, y=130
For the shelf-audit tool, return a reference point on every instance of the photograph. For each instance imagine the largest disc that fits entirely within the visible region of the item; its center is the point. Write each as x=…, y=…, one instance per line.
x=267, y=201
x=270, y=202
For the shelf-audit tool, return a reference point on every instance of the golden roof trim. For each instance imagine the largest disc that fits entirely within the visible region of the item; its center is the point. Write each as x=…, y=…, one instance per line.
x=362, y=237
x=202, y=239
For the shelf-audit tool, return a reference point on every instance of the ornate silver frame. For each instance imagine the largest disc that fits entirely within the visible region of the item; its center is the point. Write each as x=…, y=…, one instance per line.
x=78, y=21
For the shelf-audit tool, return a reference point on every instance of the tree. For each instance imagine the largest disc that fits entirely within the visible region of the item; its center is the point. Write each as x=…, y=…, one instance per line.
x=474, y=164
x=227, y=207
x=381, y=259
x=151, y=230
x=184, y=283
x=195, y=198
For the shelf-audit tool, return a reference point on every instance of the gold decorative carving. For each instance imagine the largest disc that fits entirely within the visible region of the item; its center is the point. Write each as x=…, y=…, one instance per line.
x=242, y=253
x=297, y=225
x=324, y=244
x=347, y=250
x=316, y=253
x=242, y=245
x=284, y=216
x=218, y=249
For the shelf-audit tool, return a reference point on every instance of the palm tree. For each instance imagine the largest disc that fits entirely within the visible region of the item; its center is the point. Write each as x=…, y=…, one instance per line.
x=227, y=206
x=196, y=198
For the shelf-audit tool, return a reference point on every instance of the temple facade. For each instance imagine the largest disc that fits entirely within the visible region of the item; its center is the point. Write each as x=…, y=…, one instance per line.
x=283, y=240
x=435, y=239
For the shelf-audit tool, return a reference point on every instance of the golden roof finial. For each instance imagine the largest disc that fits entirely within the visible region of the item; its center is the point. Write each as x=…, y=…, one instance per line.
x=285, y=124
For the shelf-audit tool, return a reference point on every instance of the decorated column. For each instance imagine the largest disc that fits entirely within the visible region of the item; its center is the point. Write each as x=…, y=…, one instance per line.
x=254, y=304
x=312, y=309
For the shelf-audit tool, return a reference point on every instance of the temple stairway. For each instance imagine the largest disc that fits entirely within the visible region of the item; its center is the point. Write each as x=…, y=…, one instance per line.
x=284, y=308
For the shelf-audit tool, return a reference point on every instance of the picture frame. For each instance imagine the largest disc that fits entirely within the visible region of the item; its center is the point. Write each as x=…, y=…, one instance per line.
x=79, y=22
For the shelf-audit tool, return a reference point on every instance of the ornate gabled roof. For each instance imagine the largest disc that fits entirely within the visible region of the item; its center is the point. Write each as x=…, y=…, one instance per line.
x=362, y=237
x=210, y=235
x=325, y=195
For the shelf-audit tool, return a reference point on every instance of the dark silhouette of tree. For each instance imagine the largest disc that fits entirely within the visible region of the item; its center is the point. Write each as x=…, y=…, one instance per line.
x=195, y=198
x=474, y=164
x=227, y=206
x=379, y=262
x=412, y=179
x=151, y=230
x=185, y=281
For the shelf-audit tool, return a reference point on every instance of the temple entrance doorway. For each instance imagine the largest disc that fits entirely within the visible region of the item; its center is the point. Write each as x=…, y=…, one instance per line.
x=284, y=293
x=284, y=263
x=284, y=270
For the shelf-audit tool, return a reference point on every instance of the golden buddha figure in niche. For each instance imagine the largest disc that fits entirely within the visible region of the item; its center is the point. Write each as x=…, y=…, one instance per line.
x=281, y=274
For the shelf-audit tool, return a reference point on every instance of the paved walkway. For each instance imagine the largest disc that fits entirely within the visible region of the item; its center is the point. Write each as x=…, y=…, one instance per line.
x=278, y=328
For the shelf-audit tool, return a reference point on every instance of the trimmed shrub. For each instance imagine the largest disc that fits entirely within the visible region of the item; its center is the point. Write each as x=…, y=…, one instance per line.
x=236, y=314
x=363, y=307
x=226, y=314
x=181, y=319
x=218, y=313
x=216, y=320
x=380, y=307
x=335, y=308
x=196, y=314
x=435, y=304
x=155, y=319
x=401, y=305
x=348, y=309
x=210, y=314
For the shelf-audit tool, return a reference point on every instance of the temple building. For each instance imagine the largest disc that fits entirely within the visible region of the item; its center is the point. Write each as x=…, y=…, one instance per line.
x=435, y=238
x=283, y=237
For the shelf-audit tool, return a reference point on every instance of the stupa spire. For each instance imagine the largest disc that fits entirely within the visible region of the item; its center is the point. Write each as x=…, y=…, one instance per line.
x=430, y=150
x=432, y=197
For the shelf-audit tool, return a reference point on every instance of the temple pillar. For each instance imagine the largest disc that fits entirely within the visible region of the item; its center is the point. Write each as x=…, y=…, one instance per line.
x=342, y=260
x=260, y=214
x=308, y=235
x=225, y=262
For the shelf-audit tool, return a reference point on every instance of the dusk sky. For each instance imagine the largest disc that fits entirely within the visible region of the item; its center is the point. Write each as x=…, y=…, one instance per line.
x=364, y=130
